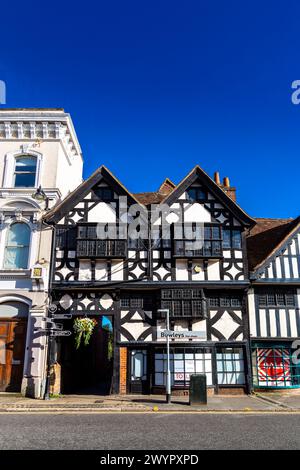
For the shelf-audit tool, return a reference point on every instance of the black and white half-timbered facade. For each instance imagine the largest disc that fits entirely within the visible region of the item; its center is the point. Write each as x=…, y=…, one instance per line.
x=274, y=299
x=121, y=258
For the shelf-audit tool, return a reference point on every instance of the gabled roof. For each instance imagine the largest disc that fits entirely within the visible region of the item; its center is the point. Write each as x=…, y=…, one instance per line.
x=156, y=197
x=76, y=196
x=216, y=190
x=267, y=239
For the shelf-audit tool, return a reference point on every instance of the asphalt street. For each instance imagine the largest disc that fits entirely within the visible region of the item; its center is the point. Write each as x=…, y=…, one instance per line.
x=149, y=431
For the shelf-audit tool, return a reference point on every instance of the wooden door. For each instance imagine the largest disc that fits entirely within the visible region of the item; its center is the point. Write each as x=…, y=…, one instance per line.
x=12, y=351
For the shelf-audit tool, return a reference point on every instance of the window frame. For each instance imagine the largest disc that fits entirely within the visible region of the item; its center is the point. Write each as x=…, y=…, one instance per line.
x=9, y=168
x=24, y=172
x=15, y=268
x=264, y=298
x=209, y=247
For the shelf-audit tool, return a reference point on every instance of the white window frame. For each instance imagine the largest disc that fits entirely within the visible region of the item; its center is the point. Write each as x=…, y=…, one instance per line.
x=10, y=165
x=33, y=242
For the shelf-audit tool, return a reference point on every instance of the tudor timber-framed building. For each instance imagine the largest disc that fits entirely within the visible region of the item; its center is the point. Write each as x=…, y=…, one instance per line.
x=127, y=281
x=274, y=300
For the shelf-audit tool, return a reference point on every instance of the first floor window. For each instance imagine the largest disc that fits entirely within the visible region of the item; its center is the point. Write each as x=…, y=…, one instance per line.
x=17, y=246
x=25, y=172
x=230, y=366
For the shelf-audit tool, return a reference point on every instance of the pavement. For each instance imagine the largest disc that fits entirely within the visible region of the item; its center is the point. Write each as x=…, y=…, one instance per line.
x=267, y=402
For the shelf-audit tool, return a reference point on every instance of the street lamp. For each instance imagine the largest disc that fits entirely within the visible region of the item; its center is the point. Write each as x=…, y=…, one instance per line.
x=168, y=388
x=40, y=196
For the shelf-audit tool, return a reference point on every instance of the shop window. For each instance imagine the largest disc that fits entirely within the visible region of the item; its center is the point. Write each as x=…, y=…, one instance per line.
x=274, y=367
x=183, y=363
x=230, y=366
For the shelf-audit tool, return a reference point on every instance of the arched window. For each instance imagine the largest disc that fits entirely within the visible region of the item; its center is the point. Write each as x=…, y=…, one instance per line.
x=25, y=172
x=17, y=246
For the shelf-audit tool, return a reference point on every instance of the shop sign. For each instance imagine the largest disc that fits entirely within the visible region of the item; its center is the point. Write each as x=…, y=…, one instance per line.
x=163, y=334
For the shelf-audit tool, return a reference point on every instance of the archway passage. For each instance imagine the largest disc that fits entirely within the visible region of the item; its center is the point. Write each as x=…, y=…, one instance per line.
x=13, y=328
x=89, y=369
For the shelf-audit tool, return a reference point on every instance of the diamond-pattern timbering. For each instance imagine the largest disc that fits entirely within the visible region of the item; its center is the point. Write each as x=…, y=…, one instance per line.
x=226, y=325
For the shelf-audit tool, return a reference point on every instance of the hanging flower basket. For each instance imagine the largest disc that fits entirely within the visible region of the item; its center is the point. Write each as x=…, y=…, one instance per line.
x=83, y=329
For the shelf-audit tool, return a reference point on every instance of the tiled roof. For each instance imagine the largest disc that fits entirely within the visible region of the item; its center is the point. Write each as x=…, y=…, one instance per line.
x=156, y=197
x=265, y=237
x=149, y=198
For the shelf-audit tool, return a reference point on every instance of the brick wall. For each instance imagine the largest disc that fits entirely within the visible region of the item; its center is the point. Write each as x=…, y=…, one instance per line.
x=123, y=371
x=55, y=379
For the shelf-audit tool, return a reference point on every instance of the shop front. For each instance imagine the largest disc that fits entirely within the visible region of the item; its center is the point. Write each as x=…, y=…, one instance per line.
x=275, y=365
x=225, y=367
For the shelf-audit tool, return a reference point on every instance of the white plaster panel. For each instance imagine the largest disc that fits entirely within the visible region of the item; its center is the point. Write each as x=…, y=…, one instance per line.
x=181, y=270
x=103, y=212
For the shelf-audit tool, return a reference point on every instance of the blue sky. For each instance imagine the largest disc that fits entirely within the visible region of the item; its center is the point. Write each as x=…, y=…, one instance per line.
x=157, y=87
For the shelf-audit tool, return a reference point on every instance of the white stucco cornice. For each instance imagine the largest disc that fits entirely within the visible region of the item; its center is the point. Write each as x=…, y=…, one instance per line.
x=19, y=193
x=40, y=125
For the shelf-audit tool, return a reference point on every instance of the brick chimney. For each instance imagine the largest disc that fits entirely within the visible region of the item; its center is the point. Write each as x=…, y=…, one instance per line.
x=229, y=190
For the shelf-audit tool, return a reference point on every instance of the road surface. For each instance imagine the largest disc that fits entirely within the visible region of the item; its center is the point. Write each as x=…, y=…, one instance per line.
x=149, y=431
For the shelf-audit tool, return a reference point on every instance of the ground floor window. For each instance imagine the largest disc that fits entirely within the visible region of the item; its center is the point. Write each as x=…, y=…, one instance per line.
x=183, y=362
x=273, y=366
x=230, y=366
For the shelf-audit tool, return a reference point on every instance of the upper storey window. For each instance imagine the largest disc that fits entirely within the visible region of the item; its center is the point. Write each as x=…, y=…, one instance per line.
x=232, y=239
x=196, y=194
x=17, y=246
x=104, y=194
x=206, y=242
x=25, y=172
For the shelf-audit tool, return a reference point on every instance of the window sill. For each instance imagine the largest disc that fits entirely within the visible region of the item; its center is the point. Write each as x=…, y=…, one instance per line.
x=15, y=272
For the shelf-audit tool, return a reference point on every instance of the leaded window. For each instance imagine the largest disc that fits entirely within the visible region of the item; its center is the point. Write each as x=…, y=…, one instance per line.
x=182, y=302
x=199, y=242
x=232, y=239
x=277, y=298
x=135, y=301
x=101, y=241
x=225, y=301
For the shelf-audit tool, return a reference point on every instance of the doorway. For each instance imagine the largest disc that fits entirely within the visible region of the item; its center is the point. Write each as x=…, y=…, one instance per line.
x=12, y=349
x=88, y=369
x=13, y=330
x=139, y=371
